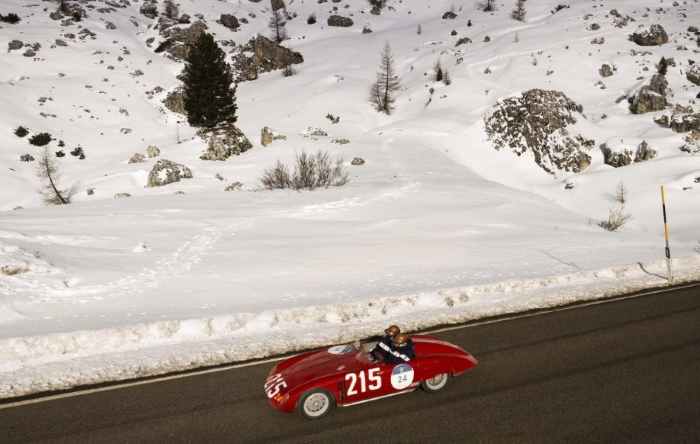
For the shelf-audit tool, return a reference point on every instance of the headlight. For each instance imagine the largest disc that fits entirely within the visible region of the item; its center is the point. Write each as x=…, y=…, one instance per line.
x=281, y=398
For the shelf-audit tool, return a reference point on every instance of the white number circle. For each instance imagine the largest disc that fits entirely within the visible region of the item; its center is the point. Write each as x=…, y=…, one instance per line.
x=401, y=376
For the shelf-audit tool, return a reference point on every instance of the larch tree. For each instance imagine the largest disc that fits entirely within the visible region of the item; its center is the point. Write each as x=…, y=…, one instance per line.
x=209, y=90
x=277, y=26
x=383, y=90
x=47, y=171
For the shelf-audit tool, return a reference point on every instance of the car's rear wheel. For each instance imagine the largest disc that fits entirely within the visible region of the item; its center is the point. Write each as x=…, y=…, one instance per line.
x=436, y=383
x=316, y=404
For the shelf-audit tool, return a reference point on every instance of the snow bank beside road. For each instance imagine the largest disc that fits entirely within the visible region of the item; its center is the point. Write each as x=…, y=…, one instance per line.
x=61, y=361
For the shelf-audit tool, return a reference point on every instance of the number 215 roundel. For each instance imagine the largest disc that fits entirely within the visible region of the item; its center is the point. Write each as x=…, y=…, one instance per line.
x=315, y=382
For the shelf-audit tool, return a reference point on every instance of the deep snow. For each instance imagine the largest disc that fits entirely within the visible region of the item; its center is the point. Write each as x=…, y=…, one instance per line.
x=436, y=227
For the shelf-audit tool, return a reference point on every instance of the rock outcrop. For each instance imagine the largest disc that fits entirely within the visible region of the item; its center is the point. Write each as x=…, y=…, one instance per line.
x=224, y=142
x=152, y=151
x=261, y=55
x=178, y=39
x=651, y=97
x=539, y=122
x=606, y=70
x=654, y=36
x=166, y=171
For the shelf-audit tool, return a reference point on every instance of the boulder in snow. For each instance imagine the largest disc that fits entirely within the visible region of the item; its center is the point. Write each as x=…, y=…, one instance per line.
x=224, y=142
x=137, y=158
x=541, y=122
x=230, y=22
x=166, y=171
x=653, y=36
x=339, y=20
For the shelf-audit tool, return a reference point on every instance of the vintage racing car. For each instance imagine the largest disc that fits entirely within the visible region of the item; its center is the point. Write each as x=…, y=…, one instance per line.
x=315, y=382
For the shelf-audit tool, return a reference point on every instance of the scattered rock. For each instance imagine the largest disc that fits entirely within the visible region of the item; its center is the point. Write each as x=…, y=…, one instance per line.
x=60, y=42
x=14, y=45
x=224, y=142
x=569, y=186
x=449, y=15
x=358, y=161
x=229, y=21
x=165, y=172
x=366, y=30
x=29, y=53
x=152, y=151
x=463, y=40
x=235, y=186
x=654, y=36
x=90, y=191
x=277, y=4
x=267, y=56
x=644, y=152
x=340, y=141
x=616, y=159
x=693, y=74
x=149, y=10
x=122, y=195
x=137, y=158
x=683, y=123
x=265, y=136
x=339, y=20
x=606, y=70
x=26, y=158
x=539, y=122
x=692, y=143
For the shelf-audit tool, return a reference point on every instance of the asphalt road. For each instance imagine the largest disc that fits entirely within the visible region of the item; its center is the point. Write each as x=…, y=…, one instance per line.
x=625, y=371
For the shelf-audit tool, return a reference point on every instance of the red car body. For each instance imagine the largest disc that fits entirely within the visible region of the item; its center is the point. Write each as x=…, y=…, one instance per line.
x=350, y=376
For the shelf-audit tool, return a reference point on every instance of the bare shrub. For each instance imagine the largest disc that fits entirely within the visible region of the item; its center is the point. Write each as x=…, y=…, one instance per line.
x=311, y=171
x=616, y=219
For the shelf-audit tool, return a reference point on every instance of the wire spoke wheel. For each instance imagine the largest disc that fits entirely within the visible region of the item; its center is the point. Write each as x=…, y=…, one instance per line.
x=316, y=404
x=437, y=382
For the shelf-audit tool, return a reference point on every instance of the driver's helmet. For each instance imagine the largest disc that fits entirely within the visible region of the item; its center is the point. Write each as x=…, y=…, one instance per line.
x=392, y=330
x=400, y=339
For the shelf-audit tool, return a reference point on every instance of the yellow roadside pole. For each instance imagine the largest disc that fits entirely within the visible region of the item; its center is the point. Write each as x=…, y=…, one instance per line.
x=668, y=249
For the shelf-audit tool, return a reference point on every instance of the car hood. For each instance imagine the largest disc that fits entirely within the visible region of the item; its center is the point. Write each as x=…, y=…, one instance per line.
x=319, y=364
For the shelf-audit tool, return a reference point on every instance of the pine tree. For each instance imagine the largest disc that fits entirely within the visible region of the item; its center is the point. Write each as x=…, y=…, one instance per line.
x=382, y=91
x=277, y=26
x=209, y=98
x=519, y=11
x=490, y=5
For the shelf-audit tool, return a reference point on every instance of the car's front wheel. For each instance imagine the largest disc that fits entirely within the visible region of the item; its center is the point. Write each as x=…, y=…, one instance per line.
x=436, y=383
x=316, y=404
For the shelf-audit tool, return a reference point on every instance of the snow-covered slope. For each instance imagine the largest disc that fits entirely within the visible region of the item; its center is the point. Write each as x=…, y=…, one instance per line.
x=435, y=207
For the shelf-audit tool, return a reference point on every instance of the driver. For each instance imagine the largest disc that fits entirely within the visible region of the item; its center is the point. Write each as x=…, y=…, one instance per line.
x=379, y=351
x=402, y=350
x=398, y=351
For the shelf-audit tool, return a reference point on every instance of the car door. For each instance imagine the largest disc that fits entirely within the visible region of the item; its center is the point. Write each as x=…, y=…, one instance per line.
x=363, y=382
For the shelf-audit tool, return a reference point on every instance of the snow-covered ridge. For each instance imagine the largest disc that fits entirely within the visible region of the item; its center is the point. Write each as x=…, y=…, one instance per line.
x=49, y=362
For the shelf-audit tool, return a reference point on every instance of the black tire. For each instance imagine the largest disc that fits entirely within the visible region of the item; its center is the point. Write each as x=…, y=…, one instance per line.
x=436, y=383
x=316, y=403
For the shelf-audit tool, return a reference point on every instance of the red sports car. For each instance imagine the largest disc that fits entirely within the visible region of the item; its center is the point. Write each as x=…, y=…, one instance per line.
x=315, y=382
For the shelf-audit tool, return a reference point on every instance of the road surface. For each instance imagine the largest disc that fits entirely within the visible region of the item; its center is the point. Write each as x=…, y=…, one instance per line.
x=622, y=371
